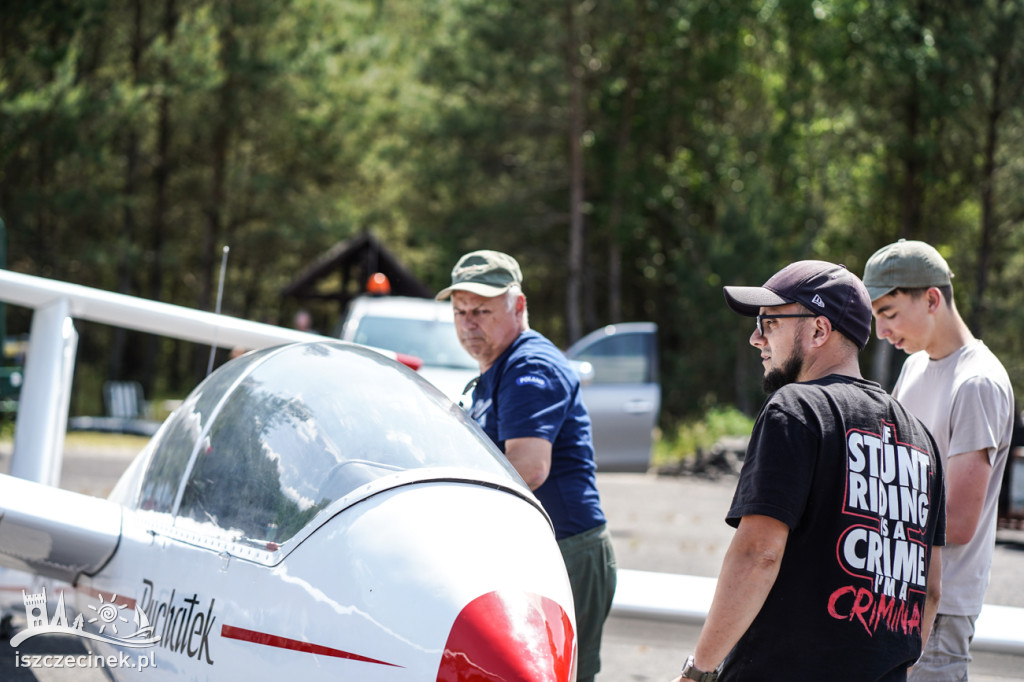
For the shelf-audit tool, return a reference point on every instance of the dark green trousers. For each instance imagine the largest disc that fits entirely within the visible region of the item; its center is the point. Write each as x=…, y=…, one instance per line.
x=590, y=562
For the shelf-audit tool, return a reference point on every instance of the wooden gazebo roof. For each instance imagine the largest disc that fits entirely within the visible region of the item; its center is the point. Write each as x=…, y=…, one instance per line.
x=353, y=260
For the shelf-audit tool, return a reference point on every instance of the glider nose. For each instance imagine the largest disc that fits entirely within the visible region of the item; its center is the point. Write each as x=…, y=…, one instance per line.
x=500, y=637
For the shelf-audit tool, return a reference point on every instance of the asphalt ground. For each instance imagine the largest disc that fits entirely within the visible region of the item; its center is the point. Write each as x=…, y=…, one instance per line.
x=676, y=524
x=672, y=524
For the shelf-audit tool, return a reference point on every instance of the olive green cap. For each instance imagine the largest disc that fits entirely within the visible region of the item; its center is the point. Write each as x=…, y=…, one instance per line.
x=485, y=273
x=906, y=264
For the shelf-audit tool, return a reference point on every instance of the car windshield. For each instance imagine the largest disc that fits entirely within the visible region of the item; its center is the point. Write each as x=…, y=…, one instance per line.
x=433, y=341
x=271, y=439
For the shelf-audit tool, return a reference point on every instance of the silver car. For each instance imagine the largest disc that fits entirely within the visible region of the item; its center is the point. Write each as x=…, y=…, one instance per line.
x=618, y=367
x=621, y=391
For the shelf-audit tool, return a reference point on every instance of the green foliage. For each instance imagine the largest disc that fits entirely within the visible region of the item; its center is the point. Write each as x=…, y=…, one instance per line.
x=721, y=141
x=701, y=433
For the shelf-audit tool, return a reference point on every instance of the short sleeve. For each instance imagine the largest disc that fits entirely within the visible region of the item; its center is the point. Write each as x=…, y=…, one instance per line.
x=535, y=400
x=978, y=418
x=778, y=469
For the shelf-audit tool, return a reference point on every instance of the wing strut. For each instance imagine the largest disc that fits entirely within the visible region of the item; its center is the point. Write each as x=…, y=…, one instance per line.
x=46, y=395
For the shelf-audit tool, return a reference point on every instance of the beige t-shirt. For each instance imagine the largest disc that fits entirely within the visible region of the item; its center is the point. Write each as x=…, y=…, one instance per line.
x=966, y=401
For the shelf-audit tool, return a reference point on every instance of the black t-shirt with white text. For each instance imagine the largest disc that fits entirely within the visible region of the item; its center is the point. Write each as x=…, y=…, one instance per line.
x=859, y=482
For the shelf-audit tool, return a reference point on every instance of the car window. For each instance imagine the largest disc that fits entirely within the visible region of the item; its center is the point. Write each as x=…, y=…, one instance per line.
x=620, y=359
x=298, y=428
x=433, y=341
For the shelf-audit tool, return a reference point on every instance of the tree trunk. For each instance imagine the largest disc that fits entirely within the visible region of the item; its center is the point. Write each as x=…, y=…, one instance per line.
x=127, y=264
x=161, y=176
x=988, y=185
x=620, y=173
x=576, y=123
x=218, y=182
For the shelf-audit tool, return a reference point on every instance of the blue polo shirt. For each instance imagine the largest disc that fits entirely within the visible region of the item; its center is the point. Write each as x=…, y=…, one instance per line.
x=531, y=391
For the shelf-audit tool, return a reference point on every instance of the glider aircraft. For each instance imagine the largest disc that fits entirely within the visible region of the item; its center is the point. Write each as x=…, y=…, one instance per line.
x=313, y=509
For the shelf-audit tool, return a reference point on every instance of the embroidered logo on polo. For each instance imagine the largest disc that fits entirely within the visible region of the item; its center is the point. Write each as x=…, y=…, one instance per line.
x=532, y=380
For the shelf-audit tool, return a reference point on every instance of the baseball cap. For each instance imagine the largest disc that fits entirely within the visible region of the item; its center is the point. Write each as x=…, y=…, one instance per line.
x=905, y=264
x=825, y=288
x=485, y=273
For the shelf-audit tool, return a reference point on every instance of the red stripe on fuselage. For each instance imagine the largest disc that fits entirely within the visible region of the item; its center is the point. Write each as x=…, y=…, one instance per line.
x=232, y=632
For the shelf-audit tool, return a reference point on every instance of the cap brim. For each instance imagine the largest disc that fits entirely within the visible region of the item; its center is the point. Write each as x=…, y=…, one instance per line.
x=485, y=290
x=877, y=292
x=749, y=300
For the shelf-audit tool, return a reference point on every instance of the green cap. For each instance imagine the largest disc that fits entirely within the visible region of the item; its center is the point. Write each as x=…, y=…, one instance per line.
x=905, y=265
x=485, y=273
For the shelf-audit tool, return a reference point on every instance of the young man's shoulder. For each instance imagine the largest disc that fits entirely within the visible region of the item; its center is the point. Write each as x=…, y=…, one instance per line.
x=978, y=359
x=973, y=360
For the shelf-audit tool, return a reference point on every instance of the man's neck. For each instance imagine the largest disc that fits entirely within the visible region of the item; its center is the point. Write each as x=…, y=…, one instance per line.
x=950, y=335
x=489, y=362
x=834, y=360
x=820, y=371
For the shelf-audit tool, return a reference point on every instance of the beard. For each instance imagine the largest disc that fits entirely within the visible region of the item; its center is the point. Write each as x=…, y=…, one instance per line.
x=786, y=374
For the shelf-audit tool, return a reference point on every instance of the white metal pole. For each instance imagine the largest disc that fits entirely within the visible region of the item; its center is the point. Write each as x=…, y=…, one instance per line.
x=45, y=395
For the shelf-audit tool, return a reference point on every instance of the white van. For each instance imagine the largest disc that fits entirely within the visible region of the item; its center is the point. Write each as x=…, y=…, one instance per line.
x=618, y=366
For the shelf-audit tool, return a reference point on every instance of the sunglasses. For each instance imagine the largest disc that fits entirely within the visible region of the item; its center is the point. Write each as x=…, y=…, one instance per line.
x=468, y=390
x=760, y=318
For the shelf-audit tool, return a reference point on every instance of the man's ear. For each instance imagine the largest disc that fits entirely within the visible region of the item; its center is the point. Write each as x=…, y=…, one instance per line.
x=934, y=299
x=822, y=330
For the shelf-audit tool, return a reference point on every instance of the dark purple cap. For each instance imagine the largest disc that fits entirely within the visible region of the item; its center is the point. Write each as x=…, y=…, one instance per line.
x=824, y=288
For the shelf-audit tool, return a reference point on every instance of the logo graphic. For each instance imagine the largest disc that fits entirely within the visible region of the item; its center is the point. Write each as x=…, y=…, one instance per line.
x=817, y=301
x=884, y=548
x=531, y=379
x=107, y=614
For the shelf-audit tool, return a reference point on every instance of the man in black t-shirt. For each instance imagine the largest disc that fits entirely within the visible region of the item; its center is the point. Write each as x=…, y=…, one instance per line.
x=833, y=573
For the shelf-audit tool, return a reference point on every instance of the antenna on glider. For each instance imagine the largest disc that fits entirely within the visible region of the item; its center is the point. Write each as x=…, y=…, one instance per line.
x=220, y=297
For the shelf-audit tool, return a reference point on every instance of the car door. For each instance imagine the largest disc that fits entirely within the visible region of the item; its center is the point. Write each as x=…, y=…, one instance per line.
x=621, y=392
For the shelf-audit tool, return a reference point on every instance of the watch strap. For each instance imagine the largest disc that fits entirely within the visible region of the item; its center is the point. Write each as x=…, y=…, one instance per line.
x=692, y=672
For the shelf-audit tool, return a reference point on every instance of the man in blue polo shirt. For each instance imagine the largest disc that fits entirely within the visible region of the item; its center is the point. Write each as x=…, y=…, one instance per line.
x=527, y=400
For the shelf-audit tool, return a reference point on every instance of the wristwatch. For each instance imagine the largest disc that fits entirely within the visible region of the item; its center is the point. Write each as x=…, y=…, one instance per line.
x=692, y=672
